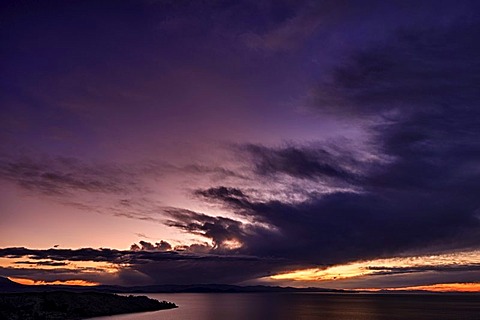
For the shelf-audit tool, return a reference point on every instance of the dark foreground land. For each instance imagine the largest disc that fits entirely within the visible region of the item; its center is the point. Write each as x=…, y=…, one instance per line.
x=73, y=305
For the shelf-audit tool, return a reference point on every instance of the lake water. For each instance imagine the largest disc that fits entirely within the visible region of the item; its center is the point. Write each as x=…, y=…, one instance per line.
x=309, y=306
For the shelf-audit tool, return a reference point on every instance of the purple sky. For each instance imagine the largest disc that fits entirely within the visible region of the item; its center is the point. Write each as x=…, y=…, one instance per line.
x=235, y=141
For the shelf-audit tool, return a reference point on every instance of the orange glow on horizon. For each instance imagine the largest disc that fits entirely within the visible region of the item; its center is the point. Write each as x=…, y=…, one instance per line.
x=439, y=287
x=30, y=282
x=378, y=266
x=82, y=266
x=317, y=274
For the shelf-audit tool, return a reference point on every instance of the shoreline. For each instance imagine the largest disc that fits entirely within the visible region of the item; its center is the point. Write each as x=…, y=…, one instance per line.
x=69, y=305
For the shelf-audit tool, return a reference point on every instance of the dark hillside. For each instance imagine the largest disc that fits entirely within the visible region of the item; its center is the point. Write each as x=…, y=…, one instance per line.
x=70, y=305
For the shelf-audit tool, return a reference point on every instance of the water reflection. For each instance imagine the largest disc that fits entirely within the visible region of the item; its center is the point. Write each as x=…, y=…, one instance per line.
x=211, y=306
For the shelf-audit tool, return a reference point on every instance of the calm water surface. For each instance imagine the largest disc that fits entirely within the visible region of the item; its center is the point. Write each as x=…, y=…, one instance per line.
x=306, y=306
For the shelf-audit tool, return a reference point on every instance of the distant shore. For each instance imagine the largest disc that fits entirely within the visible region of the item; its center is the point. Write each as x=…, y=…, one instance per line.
x=65, y=305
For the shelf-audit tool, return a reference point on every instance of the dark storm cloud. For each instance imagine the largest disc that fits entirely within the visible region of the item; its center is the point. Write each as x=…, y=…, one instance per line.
x=420, y=93
x=332, y=229
x=344, y=227
x=248, y=237
x=201, y=272
x=304, y=162
x=231, y=196
x=218, y=229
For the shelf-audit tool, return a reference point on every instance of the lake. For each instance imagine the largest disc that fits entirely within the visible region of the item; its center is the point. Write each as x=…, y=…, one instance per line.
x=309, y=306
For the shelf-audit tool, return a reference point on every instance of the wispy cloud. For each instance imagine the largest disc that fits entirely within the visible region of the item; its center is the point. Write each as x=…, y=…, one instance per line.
x=65, y=176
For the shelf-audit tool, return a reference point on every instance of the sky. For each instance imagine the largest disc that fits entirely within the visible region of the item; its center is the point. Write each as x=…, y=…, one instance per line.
x=305, y=143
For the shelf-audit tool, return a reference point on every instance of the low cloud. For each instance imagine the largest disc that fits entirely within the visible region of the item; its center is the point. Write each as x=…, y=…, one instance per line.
x=147, y=246
x=43, y=263
x=380, y=270
x=187, y=265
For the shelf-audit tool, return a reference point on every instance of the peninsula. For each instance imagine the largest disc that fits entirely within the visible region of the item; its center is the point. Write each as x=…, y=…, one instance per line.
x=67, y=305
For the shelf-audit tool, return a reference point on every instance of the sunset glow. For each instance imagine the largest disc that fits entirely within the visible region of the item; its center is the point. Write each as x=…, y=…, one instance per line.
x=30, y=282
x=440, y=287
x=380, y=266
x=329, y=144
